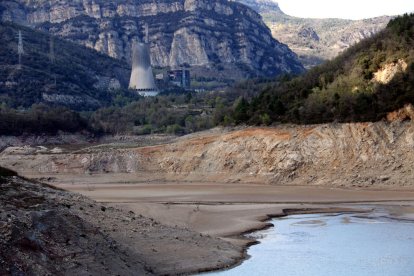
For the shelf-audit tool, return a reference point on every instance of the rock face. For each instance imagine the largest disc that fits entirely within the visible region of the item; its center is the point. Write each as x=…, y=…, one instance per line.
x=215, y=35
x=315, y=40
x=388, y=72
x=359, y=155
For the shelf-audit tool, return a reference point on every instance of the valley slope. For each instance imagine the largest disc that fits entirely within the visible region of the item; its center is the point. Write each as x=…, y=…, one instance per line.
x=364, y=83
x=77, y=77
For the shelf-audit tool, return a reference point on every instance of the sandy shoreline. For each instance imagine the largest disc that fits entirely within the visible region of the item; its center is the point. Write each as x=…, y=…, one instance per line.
x=228, y=211
x=183, y=228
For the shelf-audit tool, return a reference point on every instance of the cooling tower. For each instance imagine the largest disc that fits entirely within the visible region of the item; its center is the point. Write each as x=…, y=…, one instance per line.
x=142, y=79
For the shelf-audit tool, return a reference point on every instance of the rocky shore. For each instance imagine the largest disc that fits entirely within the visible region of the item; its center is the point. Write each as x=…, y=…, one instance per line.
x=48, y=231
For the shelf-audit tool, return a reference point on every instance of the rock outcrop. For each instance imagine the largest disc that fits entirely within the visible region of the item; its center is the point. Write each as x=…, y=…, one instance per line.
x=388, y=71
x=219, y=37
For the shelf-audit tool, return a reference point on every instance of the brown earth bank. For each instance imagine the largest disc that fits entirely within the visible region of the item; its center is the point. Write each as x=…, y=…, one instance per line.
x=369, y=155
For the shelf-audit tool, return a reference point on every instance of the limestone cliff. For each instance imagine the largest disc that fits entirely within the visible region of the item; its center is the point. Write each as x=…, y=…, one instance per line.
x=218, y=36
x=315, y=40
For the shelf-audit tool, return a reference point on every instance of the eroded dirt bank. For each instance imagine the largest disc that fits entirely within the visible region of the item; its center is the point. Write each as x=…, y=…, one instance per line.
x=377, y=155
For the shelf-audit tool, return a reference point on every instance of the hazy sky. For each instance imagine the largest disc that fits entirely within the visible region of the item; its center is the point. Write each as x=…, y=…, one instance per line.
x=350, y=9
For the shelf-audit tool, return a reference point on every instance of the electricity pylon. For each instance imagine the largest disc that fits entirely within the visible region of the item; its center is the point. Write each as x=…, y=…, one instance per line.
x=52, y=57
x=20, y=49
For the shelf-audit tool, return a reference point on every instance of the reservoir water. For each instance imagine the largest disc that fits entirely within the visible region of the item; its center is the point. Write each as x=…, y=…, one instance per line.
x=331, y=244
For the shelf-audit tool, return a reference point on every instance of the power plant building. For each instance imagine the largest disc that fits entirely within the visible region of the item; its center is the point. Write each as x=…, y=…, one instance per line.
x=142, y=78
x=180, y=78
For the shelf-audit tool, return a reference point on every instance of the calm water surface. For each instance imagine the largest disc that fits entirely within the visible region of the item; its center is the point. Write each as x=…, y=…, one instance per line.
x=331, y=244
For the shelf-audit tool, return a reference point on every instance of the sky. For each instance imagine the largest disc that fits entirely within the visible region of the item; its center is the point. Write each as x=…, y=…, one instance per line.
x=348, y=9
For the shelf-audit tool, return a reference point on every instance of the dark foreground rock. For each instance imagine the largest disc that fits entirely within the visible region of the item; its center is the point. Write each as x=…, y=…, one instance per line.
x=44, y=231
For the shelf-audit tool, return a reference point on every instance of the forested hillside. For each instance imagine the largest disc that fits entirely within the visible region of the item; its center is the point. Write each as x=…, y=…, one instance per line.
x=56, y=72
x=362, y=84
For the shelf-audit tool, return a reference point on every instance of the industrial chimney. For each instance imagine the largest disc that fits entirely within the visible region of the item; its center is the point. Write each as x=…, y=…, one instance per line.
x=142, y=79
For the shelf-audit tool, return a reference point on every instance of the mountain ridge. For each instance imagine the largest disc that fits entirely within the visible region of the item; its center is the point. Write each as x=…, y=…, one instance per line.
x=315, y=40
x=220, y=38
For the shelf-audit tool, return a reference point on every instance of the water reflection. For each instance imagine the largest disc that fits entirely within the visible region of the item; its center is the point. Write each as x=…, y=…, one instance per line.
x=339, y=244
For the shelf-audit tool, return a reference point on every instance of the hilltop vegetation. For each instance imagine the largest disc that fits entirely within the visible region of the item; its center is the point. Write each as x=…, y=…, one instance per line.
x=362, y=84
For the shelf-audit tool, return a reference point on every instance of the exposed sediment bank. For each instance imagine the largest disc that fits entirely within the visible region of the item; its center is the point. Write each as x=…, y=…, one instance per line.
x=223, y=184
x=360, y=155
